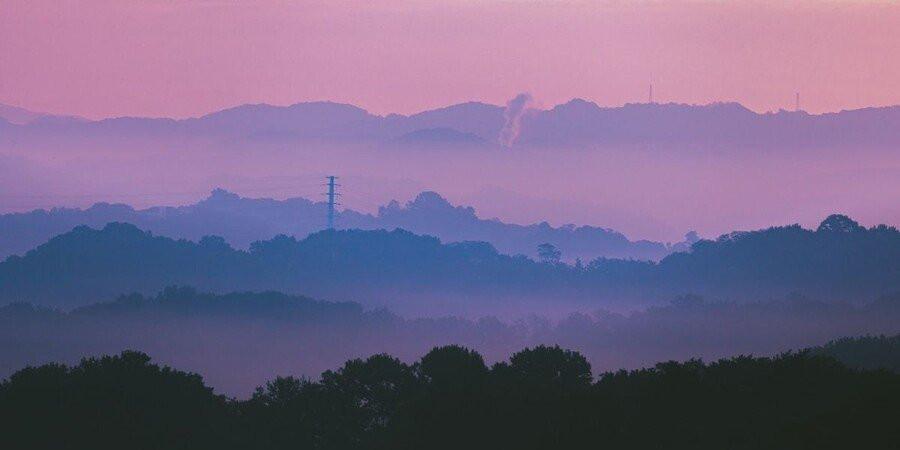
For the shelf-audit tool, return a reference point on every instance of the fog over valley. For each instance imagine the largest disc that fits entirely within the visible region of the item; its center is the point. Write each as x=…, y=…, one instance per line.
x=650, y=171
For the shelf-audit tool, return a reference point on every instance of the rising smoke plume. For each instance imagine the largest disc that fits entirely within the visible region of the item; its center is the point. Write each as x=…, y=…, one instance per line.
x=515, y=109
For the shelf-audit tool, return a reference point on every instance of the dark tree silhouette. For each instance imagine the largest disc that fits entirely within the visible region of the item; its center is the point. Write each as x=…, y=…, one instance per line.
x=547, y=366
x=541, y=398
x=867, y=352
x=839, y=223
x=548, y=253
x=111, y=402
x=453, y=367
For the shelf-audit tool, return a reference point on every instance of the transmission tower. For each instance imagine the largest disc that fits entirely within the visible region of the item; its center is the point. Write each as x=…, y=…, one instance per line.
x=331, y=194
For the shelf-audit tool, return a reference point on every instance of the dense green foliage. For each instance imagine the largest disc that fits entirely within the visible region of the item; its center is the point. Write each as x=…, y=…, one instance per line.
x=541, y=398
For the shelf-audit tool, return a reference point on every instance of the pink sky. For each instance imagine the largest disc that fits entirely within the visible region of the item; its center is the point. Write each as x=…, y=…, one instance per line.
x=102, y=58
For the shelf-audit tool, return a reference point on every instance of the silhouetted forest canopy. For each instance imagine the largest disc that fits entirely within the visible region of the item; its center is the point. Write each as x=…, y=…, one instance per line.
x=841, y=260
x=865, y=352
x=242, y=221
x=540, y=397
x=237, y=340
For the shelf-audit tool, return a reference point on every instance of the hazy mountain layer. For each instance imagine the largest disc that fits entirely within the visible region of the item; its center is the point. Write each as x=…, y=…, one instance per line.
x=576, y=122
x=242, y=221
x=240, y=340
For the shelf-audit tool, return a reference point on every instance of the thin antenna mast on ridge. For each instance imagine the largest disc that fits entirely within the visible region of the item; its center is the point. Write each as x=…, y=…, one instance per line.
x=331, y=195
x=797, y=102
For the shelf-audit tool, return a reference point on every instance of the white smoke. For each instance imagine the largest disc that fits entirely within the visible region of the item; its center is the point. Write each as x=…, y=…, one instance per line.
x=515, y=109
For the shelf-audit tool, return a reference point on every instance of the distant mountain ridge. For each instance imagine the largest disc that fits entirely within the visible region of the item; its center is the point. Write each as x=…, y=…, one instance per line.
x=21, y=116
x=575, y=123
x=16, y=115
x=242, y=221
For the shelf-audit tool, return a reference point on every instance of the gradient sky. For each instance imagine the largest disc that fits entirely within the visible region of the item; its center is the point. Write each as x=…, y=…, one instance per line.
x=101, y=58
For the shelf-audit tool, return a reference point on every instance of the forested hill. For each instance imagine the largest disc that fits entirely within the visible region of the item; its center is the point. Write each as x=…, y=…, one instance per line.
x=238, y=340
x=866, y=352
x=839, y=260
x=243, y=220
x=840, y=257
